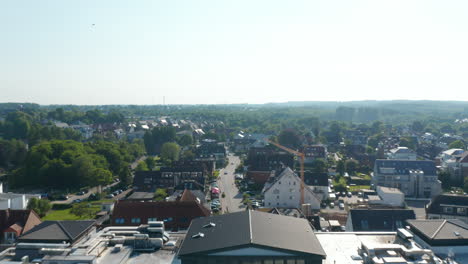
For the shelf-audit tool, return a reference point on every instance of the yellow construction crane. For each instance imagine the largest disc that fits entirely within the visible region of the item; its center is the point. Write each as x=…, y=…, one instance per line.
x=301, y=157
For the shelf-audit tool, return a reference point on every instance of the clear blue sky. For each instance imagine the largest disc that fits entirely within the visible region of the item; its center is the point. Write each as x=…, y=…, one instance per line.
x=225, y=51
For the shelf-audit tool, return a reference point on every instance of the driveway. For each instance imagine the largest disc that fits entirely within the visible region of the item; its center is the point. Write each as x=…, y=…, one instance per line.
x=233, y=200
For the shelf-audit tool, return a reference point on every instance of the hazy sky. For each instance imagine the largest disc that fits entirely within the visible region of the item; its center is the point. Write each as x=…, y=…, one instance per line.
x=231, y=51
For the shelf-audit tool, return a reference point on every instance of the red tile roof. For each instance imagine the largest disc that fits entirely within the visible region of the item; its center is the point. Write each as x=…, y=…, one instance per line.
x=178, y=214
x=19, y=221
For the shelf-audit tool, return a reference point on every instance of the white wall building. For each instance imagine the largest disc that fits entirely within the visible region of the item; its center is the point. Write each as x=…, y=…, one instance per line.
x=391, y=196
x=15, y=201
x=283, y=191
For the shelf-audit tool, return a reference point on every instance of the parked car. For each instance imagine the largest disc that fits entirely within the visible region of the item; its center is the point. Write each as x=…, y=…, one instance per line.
x=341, y=205
x=350, y=194
x=80, y=193
x=109, y=196
x=332, y=205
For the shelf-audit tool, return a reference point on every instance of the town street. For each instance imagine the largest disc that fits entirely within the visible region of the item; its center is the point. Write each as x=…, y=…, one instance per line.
x=233, y=200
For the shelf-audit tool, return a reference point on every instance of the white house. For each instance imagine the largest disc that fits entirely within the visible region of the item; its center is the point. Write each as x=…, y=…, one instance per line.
x=284, y=191
x=402, y=153
x=17, y=201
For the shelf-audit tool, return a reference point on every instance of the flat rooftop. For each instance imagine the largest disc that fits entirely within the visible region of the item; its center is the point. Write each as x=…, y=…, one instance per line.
x=340, y=247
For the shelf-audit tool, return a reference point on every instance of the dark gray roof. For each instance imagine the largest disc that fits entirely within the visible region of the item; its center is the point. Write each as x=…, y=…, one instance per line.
x=441, y=231
x=447, y=200
x=57, y=231
x=251, y=228
x=402, y=167
x=379, y=219
x=315, y=179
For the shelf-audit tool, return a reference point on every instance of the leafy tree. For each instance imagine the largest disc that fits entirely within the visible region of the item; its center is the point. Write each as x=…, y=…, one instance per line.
x=351, y=166
x=457, y=144
x=341, y=167
x=40, y=206
x=444, y=177
x=155, y=138
x=170, y=151
x=185, y=140
x=417, y=126
x=150, y=163
x=289, y=138
x=319, y=166
x=83, y=210
x=160, y=194
x=408, y=142
x=142, y=166
x=340, y=186
x=188, y=155
x=125, y=175
x=101, y=177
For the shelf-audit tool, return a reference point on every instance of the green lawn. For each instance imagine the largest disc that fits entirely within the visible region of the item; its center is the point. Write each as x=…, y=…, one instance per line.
x=61, y=215
x=65, y=214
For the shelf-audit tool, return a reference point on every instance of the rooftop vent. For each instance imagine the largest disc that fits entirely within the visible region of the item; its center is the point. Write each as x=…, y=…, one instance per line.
x=456, y=233
x=198, y=235
x=210, y=224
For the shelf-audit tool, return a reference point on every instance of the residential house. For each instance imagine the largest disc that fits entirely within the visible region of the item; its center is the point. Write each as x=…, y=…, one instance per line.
x=211, y=150
x=250, y=237
x=446, y=238
x=448, y=206
x=377, y=219
x=318, y=183
x=175, y=214
x=284, y=191
x=414, y=178
x=401, y=153
x=263, y=161
x=314, y=152
x=169, y=178
x=268, y=158
x=69, y=232
x=455, y=161
x=17, y=201
x=14, y=223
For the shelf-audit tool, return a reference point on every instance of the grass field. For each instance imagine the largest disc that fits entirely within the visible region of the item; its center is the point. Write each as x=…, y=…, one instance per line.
x=65, y=214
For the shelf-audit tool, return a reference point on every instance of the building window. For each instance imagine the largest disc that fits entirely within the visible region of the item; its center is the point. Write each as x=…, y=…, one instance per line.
x=136, y=220
x=461, y=211
x=120, y=221
x=364, y=224
x=152, y=219
x=290, y=197
x=294, y=183
x=277, y=197
x=399, y=224
x=448, y=210
x=279, y=182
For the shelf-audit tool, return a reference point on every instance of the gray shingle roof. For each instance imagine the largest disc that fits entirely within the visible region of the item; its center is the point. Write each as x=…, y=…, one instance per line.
x=402, y=167
x=57, y=231
x=379, y=219
x=441, y=231
x=251, y=228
